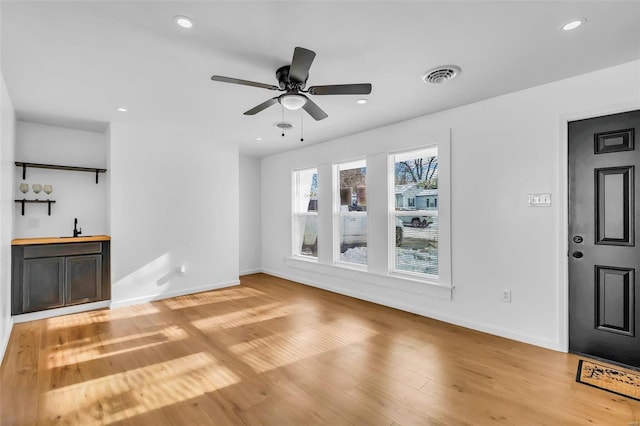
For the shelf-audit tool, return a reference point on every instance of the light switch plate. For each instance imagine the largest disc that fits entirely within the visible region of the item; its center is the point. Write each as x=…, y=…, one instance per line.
x=540, y=200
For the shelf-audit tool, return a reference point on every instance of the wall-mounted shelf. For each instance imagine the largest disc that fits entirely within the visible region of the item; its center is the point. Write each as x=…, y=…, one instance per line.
x=23, y=202
x=58, y=167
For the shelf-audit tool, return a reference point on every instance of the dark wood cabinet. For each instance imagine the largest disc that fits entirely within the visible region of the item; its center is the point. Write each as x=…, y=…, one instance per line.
x=43, y=284
x=83, y=278
x=46, y=276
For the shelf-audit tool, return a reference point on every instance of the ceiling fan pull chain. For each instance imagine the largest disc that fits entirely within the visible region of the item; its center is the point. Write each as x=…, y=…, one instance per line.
x=301, y=128
x=282, y=120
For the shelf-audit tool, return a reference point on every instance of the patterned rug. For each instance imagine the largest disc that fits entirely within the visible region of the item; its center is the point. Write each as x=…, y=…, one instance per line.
x=610, y=378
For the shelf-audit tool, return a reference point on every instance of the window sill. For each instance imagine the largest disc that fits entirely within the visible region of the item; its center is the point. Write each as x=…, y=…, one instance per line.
x=303, y=258
x=393, y=281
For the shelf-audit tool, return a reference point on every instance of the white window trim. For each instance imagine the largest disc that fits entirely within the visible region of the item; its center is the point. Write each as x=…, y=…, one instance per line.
x=444, y=217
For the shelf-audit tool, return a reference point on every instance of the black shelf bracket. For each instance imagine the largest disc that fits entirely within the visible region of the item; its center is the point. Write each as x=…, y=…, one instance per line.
x=24, y=171
x=25, y=201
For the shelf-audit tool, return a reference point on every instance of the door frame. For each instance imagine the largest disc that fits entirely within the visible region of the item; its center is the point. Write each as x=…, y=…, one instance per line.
x=563, y=210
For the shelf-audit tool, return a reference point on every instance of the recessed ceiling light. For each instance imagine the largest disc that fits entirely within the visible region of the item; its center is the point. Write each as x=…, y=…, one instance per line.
x=573, y=24
x=258, y=138
x=183, y=21
x=121, y=109
x=361, y=101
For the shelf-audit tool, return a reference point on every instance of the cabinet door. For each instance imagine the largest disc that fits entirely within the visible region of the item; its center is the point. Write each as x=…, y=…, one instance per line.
x=84, y=278
x=43, y=284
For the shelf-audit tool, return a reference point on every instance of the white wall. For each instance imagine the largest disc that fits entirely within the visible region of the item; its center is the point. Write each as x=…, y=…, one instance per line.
x=502, y=149
x=76, y=193
x=174, y=202
x=7, y=130
x=250, y=201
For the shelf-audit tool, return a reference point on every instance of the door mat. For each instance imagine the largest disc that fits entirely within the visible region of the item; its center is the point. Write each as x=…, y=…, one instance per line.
x=610, y=378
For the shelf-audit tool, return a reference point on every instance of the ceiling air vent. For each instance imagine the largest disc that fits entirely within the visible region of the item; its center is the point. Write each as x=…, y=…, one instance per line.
x=441, y=74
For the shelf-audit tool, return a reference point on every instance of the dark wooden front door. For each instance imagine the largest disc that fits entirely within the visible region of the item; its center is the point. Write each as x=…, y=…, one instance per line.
x=604, y=253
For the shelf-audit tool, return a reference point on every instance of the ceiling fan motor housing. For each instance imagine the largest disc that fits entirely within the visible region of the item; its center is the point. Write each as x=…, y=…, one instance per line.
x=282, y=74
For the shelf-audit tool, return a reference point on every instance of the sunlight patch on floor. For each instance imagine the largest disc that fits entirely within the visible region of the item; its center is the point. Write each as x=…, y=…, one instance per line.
x=218, y=296
x=242, y=317
x=127, y=394
x=99, y=316
x=73, y=353
x=276, y=351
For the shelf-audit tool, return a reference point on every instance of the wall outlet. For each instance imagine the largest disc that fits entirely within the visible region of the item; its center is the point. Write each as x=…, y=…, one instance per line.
x=506, y=295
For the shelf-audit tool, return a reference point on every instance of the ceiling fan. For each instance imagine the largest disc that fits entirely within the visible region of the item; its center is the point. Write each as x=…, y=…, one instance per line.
x=292, y=80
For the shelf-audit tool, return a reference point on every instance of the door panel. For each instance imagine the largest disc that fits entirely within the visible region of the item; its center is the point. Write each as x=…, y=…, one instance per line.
x=84, y=278
x=603, y=255
x=43, y=284
x=614, y=205
x=615, y=300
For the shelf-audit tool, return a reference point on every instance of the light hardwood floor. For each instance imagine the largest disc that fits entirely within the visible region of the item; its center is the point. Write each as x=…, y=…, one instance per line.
x=273, y=352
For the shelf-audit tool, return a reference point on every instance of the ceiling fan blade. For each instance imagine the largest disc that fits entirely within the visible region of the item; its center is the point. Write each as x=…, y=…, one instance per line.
x=300, y=64
x=244, y=82
x=341, y=89
x=314, y=110
x=262, y=106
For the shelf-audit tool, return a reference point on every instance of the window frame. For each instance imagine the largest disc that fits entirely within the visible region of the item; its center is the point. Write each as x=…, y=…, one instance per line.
x=443, y=278
x=338, y=214
x=297, y=214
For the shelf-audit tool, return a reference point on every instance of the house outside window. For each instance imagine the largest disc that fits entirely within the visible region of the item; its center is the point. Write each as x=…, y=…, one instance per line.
x=305, y=213
x=415, y=187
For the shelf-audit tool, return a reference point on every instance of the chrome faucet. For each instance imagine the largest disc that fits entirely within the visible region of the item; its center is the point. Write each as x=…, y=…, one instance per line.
x=76, y=231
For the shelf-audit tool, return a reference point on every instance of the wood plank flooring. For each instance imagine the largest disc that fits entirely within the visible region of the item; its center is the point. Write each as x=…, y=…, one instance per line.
x=273, y=352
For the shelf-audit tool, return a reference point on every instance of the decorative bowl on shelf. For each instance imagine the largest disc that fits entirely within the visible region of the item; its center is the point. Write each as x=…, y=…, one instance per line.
x=48, y=189
x=36, y=188
x=24, y=187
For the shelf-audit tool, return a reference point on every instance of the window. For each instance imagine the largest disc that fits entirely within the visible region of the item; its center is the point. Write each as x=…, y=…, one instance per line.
x=351, y=212
x=415, y=188
x=305, y=212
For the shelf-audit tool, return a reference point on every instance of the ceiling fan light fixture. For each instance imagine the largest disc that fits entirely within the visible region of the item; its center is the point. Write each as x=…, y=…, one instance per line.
x=292, y=102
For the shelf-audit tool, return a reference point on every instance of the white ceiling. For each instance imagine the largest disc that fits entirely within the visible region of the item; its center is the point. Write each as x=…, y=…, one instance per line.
x=72, y=63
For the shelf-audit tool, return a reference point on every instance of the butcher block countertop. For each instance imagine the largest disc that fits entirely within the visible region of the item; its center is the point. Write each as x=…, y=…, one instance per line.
x=59, y=240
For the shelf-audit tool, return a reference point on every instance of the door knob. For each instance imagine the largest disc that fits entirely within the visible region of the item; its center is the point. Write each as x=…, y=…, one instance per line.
x=577, y=254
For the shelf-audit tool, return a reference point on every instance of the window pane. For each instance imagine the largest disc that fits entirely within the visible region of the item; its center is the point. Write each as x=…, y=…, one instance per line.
x=416, y=180
x=352, y=217
x=416, y=206
x=307, y=191
x=417, y=250
x=305, y=235
x=353, y=239
x=308, y=231
x=353, y=189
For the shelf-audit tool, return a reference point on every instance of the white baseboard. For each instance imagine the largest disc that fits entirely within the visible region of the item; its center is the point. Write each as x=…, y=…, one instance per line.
x=6, y=335
x=250, y=271
x=485, y=328
x=181, y=292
